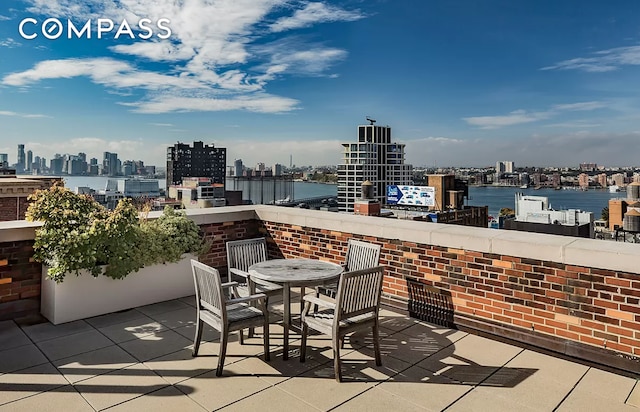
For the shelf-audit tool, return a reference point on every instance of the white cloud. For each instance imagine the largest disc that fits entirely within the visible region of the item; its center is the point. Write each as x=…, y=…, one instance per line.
x=513, y=118
x=9, y=43
x=601, y=61
x=211, y=53
x=582, y=106
x=25, y=115
x=314, y=13
x=261, y=103
x=521, y=116
x=161, y=124
x=579, y=124
x=105, y=71
x=4, y=18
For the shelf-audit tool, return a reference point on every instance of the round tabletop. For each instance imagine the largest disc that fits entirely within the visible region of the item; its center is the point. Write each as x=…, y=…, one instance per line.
x=295, y=270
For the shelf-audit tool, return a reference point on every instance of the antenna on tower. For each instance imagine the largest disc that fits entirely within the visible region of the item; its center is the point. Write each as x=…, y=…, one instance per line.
x=372, y=121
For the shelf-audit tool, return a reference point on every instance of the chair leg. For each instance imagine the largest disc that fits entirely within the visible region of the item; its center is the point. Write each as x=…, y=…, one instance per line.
x=336, y=359
x=376, y=344
x=303, y=342
x=198, y=338
x=315, y=307
x=267, y=356
x=241, y=337
x=224, y=337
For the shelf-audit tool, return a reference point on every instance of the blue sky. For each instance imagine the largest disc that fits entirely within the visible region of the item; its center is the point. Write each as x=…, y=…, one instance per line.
x=460, y=82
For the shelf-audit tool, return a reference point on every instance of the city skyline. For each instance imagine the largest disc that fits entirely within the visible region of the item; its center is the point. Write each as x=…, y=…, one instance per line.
x=461, y=84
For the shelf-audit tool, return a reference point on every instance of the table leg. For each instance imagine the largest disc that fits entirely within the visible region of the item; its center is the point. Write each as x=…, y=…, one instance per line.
x=287, y=318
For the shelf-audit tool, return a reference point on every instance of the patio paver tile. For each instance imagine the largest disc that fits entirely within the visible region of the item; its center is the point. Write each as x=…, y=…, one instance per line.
x=425, y=388
x=75, y=344
x=176, y=318
x=11, y=336
x=276, y=370
x=167, y=306
x=119, y=386
x=319, y=388
x=98, y=362
x=213, y=392
x=485, y=354
x=180, y=366
x=133, y=329
x=377, y=399
x=155, y=345
x=102, y=321
x=21, y=357
x=46, y=331
x=600, y=390
x=29, y=382
x=271, y=399
x=166, y=399
x=209, y=334
x=64, y=398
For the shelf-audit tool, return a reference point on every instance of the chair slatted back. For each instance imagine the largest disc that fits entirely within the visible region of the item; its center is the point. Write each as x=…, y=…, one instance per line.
x=208, y=286
x=359, y=293
x=362, y=255
x=243, y=253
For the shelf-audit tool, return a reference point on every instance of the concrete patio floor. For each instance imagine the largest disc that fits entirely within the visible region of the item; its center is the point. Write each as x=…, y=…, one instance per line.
x=140, y=359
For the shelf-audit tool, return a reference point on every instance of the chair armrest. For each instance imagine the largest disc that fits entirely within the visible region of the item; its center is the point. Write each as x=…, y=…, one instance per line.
x=229, y=284
x=257, y=296
x=239, y=272
x=320, y=302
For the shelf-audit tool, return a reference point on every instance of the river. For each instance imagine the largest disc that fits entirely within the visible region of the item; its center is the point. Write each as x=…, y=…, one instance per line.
x=494, y=197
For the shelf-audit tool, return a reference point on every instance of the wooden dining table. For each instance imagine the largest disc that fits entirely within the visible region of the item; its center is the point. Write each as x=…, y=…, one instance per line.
x=290, y=273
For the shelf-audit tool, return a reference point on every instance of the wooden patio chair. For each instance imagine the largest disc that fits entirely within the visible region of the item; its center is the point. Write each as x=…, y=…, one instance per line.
x=225, y=315
x=240, y=255
x=360, y=255
x=355, y=308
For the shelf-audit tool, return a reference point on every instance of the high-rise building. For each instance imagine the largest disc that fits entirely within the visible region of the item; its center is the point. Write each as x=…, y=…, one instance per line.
x=237, y=168
x=111, y=165
x=374, y=158
x=29, y=163
x=277, y=169
x=21, y=159
x=4, y=160
x=505, y=167
x=583, y=180
x=602, y=179
x=198, y=161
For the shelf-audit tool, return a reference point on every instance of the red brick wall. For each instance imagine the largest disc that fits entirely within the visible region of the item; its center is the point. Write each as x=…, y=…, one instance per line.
x=12, y=208
x=19, y=280
x=588, y=306
x=217, y=234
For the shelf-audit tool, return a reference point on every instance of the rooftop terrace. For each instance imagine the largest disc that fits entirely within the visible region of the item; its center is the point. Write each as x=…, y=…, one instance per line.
x=140, y=359
x=475, y=319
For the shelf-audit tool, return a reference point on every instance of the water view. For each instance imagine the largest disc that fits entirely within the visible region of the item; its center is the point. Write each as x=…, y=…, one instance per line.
x=494, y=197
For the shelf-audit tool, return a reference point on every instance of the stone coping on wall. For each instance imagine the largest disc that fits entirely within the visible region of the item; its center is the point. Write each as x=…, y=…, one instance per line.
x=617, y=256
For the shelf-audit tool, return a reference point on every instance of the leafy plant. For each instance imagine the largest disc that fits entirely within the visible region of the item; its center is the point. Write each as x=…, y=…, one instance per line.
x=80, y=234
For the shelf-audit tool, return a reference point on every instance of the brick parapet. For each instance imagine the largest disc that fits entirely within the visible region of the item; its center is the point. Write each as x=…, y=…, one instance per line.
x=19, y=280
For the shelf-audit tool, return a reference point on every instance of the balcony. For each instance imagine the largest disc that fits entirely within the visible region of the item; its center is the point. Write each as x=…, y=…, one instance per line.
x=474, y=319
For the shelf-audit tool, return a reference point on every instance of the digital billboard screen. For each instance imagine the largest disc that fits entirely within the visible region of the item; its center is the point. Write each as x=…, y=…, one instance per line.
x=411, y=195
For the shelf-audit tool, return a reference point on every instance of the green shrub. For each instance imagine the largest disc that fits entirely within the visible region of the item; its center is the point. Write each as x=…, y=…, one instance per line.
x=80, y=234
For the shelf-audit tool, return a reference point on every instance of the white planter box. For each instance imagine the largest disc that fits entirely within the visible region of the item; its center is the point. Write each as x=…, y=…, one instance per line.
x=81, y=297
